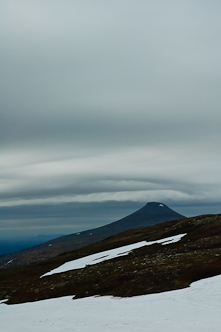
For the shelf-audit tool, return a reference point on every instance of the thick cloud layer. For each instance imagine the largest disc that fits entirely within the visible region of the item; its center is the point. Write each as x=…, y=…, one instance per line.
x=109, y=101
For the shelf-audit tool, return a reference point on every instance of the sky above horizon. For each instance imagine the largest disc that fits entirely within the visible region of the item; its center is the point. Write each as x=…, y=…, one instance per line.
x=107, y=105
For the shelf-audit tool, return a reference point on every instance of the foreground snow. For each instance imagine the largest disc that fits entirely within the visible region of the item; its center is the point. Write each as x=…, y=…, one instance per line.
x=109, y=254
x=196, y=308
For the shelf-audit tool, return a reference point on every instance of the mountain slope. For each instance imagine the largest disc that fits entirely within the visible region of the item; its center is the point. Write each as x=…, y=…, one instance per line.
x=145, y=270
x=152, y=213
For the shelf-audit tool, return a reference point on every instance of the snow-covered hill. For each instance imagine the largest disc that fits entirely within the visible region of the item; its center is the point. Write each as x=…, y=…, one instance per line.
x=196, y=308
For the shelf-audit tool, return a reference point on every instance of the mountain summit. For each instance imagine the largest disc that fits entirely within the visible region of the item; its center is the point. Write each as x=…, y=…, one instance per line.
x=152, y=213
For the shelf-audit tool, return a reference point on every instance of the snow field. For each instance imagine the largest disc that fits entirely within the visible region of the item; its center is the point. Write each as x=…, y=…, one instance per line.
x=196, y=308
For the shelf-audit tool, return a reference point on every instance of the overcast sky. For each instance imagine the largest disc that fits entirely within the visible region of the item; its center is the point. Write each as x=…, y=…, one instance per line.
x=107, y=104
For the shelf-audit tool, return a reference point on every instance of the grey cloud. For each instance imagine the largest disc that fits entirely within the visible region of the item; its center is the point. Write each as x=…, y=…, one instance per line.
x=111, y=100
x=108, y=130
x=130, y=59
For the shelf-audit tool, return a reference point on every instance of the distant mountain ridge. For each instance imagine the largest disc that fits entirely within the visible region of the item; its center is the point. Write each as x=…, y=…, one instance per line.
x=152, y=213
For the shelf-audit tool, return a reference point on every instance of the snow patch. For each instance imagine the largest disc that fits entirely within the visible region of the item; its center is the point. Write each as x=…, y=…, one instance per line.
x=109, y=254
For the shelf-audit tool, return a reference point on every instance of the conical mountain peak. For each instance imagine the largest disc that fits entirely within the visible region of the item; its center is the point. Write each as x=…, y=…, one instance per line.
x=150, y=214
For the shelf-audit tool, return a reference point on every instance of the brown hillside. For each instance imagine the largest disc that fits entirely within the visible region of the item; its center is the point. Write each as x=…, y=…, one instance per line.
x=146, y=270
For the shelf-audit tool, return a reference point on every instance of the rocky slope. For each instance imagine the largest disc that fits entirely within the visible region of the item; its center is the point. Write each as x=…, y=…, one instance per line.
x=149, y=269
